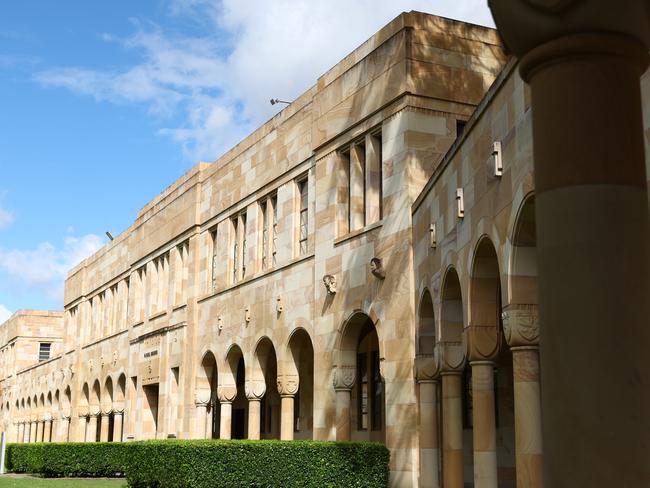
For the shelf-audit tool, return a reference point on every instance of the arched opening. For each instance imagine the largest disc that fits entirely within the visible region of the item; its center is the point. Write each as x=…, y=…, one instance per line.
x=264, y=378
x=236, y=377
x=426, y=331
x=206, y=386
x=84, y=411
x=301, y=364
x=487, y=333
x=523, y=267
x=95, y=408
x=119, y=404
x=360, y=349
x=456, y=460
x=107, y=417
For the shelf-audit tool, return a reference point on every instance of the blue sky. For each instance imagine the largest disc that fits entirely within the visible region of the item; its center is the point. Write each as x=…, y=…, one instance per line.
x=104, y=104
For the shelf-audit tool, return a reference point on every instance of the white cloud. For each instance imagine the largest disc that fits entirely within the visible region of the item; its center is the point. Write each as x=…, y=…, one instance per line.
x=45, y=267
x=260, y=49
x=6, y=218
x=5, y=313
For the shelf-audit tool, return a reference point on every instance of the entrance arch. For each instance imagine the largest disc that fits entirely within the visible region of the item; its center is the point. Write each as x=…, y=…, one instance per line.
x=263, y=393
x=299, y=366
x=206, y=398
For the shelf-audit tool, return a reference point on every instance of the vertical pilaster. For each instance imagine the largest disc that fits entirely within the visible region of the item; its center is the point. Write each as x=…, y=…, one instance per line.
x=118, y=419
x=343, y=381
x=91, y=428
x=104, y=424
x=47, y=430
x=201, y=420
x=254, y=417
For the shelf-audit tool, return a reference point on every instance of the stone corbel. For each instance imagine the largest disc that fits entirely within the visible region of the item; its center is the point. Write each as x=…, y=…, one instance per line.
x=427, y=368
x=450, y=356
x=288, y=384
x=343, y=377
x=521, y=325
x=482, y=342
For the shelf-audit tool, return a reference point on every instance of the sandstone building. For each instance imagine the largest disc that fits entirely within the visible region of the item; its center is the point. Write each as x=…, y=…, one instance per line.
x=361, y=267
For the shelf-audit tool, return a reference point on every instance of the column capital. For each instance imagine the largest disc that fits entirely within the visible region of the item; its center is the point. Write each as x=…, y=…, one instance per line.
x=288, y=384
x=202, y=397
x=482, y=342
x=527, y=24
x=521, y=325
x=427, y=368
x=226, y=393
x=451, y=357
x=255, y=389
x=343, y=377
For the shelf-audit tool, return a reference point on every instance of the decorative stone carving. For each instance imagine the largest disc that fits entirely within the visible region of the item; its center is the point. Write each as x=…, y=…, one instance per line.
x=377, y=269
x=427, y=367
x=521, y=325
x=279, y=304
x=450, y=356
x=226, y=393
x=288, y=384
x=247, y=314
x=343, y=377
x=202, y=397
x=481, y=342
x=330, y=284
x=255, y=389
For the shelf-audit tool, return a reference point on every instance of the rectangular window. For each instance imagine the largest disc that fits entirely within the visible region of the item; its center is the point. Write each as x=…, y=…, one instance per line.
x=460, y=127
x=274, y=230
x=44, y=351
x=235, y=250
x=303, y=188
x=213, y=240
x=242, y=219
x=264, y=208
x=362, y=393
x=377, y=392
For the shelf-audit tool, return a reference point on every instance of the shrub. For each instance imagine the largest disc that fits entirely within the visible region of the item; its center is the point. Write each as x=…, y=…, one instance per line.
x=211, y=464
x=55, y=459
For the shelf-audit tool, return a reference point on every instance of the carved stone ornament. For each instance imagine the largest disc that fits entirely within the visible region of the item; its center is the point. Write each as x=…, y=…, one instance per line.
x=482, y=342
x=343, y=377
x=330, y=284
x=377, y=269
x=226, y=393
x=202, y=397
x=255, y=389
x=521, y=325
x=450, y=356
x=427, y=367
x=288, y=384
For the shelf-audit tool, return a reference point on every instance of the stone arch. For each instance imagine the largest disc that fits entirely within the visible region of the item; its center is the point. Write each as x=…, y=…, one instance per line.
x=298, y=370
x=232, y=381
x=120, y=392
x=206, y=393
x=451, y=320
x=523, y=257
x=107, y=396
x=95, y=398
x=359, y=362
x=262, y=385
x=426, y=330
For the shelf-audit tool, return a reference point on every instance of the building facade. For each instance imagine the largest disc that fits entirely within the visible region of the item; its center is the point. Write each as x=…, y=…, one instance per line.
x=361, y=267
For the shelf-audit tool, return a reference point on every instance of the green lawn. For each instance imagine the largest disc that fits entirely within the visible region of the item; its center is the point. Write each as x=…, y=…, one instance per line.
x=12, y=481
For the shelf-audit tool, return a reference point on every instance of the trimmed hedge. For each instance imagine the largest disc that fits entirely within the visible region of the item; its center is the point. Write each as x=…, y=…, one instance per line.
x=212, y=463
x=73, y=459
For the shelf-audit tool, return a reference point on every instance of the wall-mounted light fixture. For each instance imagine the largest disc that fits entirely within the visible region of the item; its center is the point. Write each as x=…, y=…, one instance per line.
x=277, y=100
x=460, y=203
x=497, y=162
x=433, y=239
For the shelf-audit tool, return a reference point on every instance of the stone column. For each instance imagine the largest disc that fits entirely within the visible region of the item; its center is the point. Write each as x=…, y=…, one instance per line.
x=482, y=343
x=104, y=424
x=254, y=417
x=39, y=431
x=118, y=420
x=21, y=432
x=91, y=428
x=47, y=429
x=521, y=329
x=287, y=388
x=201, y=420
x=82, y=428
x=226, y=395
x=64, y=429
x=344, y=377
x=583, y=60
x=255, y=390
x=426, y=374
x=29, y=432
x=452, y=360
